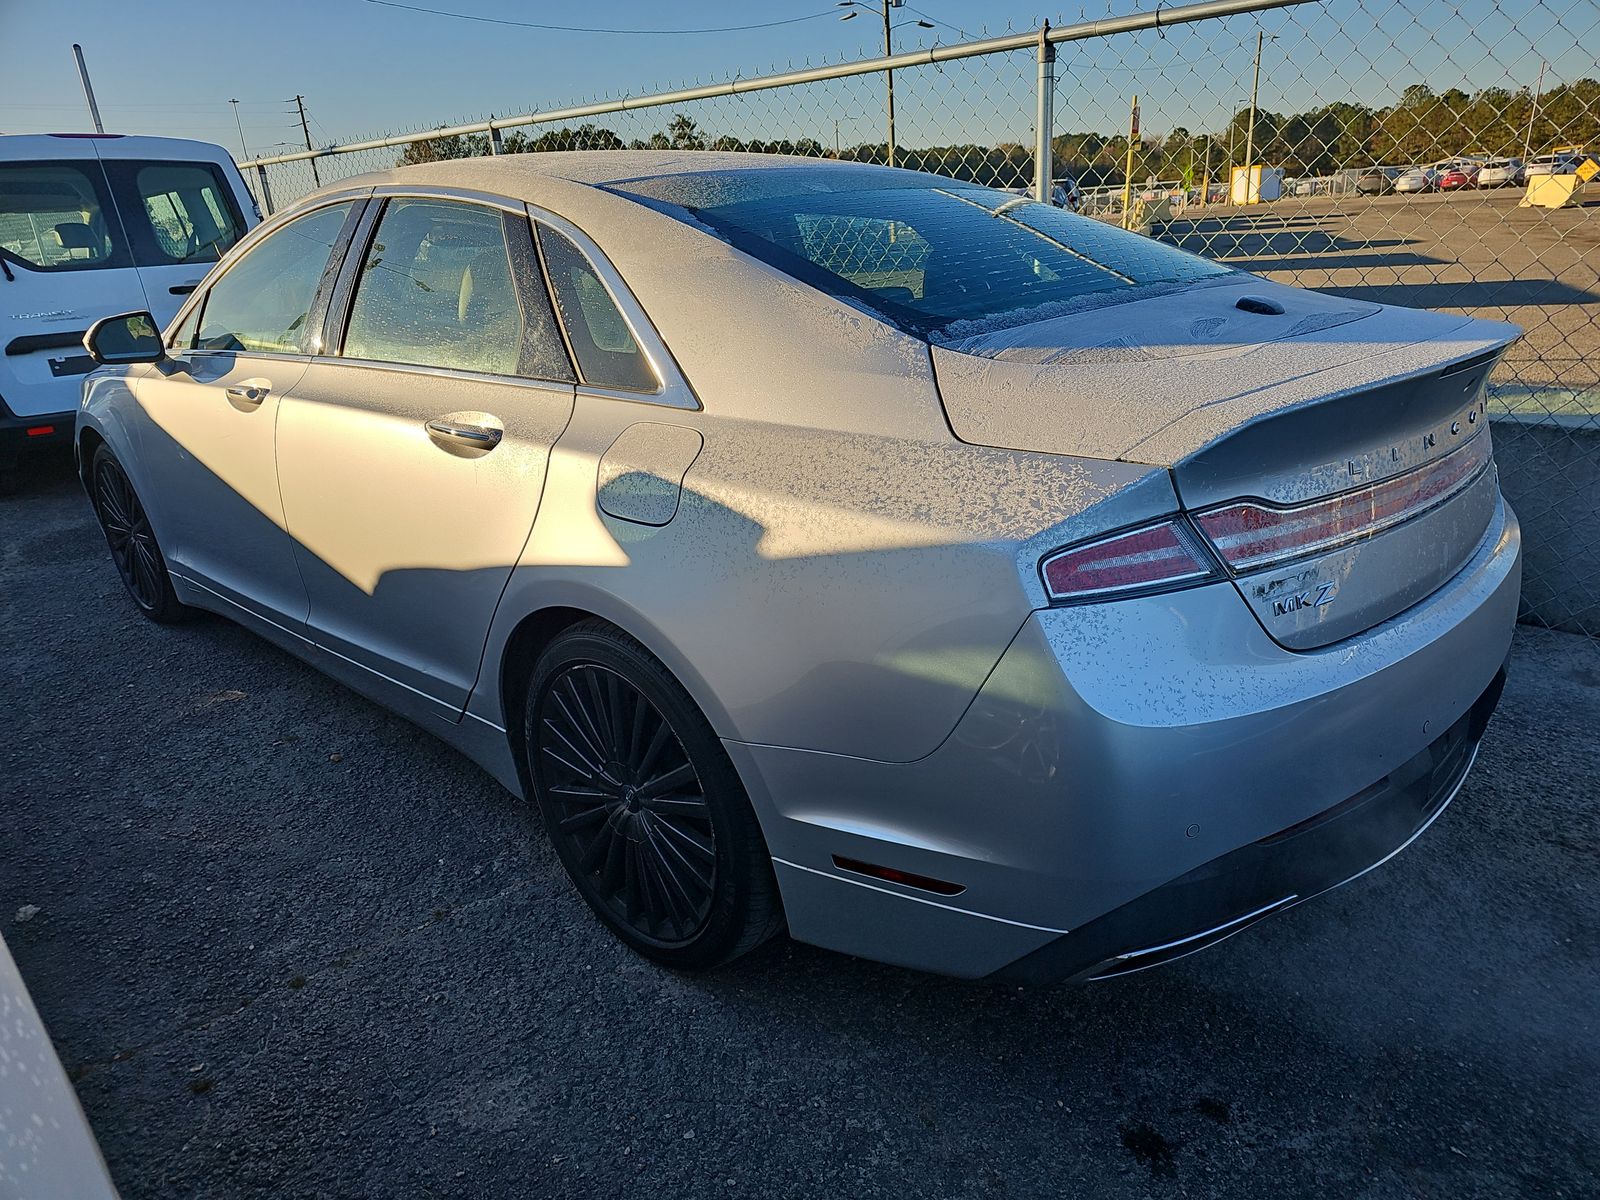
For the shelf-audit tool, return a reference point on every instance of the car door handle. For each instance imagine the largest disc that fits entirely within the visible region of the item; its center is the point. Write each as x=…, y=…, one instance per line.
x=183, y=289
x=252, y=391
x=478, y=437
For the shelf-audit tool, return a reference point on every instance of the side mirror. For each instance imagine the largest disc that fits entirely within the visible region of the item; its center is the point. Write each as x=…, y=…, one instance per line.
x=123, y=339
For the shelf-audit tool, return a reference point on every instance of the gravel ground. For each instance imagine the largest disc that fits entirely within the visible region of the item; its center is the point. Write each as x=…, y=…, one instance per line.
x=288, y=946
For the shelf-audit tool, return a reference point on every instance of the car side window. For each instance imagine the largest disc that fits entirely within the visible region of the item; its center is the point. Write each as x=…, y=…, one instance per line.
x=601, y=341
x=437, y=289
x=263, y=302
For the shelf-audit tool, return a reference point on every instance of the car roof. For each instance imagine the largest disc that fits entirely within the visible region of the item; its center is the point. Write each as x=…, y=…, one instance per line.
x=16, y=147
x=572, y=182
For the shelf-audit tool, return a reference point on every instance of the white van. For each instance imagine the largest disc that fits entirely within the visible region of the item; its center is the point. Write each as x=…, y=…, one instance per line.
x=90, y=225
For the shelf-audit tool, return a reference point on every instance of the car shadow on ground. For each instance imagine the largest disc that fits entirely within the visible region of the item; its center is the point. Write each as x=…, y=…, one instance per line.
x=286, y=946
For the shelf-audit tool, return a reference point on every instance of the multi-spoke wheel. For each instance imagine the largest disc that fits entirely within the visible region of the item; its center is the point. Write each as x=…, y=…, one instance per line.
x=642, y=804
x=132, y=541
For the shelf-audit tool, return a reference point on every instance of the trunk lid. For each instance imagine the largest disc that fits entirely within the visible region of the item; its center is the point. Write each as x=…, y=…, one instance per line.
x=1379, y=406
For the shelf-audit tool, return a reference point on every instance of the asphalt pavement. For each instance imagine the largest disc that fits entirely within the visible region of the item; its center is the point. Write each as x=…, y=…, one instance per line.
x=288, y=945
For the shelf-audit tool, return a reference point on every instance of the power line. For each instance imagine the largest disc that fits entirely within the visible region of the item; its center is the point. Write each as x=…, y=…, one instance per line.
x=459, y=16
x=937, y=21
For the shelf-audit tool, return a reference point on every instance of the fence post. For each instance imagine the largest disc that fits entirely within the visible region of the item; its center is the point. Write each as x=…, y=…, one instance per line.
x=266, y=188
x=1043, y=153
x=496, y=146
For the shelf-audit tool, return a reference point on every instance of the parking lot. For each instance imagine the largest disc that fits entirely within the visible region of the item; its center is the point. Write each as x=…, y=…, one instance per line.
x=286, y=945
x=1474, y=252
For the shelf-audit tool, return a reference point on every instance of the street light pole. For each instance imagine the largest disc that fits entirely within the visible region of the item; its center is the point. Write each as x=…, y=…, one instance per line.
x=243, y=149
x=1527, y=138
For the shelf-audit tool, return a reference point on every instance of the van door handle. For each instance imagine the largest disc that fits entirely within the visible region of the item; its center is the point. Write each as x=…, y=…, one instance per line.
x=183, y=289
x=252, y=391
x=477, y=437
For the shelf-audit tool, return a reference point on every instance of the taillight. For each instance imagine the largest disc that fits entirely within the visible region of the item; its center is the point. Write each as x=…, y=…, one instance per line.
x=1150, y=558
x=1251, y=534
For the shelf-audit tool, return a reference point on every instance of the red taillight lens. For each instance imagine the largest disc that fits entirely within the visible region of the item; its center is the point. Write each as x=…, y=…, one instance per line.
x=1250, y=534
x=1152, y=557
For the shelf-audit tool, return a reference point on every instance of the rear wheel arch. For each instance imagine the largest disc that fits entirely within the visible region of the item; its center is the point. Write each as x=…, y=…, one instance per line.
x=89, y=440
x=539, y=628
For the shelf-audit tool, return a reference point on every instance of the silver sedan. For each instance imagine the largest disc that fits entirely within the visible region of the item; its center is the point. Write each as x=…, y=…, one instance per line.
x=949, y=578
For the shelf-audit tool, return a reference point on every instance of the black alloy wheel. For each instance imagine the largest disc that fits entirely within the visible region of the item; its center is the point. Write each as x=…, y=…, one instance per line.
x=132, y=542
x=642, y=805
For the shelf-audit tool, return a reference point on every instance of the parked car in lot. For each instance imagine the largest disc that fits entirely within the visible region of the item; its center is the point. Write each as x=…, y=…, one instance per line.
x=1561, y=162
x=92, y=224
x=1500, y=172
x=49, y=1148
x=1416, y=179
x=835, y=546
x=1458, y=178
x=1376, y=181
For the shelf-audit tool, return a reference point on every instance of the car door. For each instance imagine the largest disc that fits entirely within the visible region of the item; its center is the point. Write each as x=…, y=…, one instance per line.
x=210, y=411
x=412, y=461
x=64, y=263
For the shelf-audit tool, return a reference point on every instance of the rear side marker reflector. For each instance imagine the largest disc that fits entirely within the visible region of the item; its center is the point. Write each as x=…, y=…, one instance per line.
x=41, y=430
x=1251, y=534
x=1150, y=558
x=893, y=875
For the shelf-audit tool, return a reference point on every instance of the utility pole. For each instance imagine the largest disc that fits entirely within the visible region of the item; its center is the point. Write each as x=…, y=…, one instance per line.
x=88, y=91
x=300, y=102
x=1527, y=138
x=888, y=50
x=243, y=149
x=889, y=75
x=1250, y=133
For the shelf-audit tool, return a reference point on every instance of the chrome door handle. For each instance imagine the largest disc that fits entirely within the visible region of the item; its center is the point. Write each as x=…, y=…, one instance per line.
x=478, y=437
x=253, y=393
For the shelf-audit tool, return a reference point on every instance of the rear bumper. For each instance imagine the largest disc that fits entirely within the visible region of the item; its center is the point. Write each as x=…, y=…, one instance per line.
x=20, y=433
x=1124, y=749
x=1233, y=892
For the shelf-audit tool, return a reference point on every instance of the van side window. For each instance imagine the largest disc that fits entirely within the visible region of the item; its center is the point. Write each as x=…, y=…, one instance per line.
x=437, y=290
x=263, y=301
x=175, y=212
x=600, y=337
x=57, y=216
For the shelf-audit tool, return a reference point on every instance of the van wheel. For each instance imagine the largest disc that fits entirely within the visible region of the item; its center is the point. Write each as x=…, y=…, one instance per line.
x=132, y=542
x=642, y=804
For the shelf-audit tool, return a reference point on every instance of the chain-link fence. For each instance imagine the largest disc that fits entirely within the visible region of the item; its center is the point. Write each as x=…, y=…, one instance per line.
x=1419, y=152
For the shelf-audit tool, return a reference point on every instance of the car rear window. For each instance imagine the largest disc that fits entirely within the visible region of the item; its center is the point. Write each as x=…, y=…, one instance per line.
x=57, y=216
x=936, y=257
x=67, y=215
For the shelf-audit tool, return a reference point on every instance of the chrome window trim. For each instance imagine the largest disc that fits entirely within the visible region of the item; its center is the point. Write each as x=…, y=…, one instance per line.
x=372, y=364
x=276, y=355
x=674, y=390
x=242, y=247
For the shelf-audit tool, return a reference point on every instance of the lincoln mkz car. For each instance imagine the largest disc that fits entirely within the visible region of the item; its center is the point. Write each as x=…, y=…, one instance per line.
x=954, y=580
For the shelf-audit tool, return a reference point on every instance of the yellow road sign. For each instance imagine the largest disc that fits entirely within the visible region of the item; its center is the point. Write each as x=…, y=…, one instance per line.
x=1588, y=169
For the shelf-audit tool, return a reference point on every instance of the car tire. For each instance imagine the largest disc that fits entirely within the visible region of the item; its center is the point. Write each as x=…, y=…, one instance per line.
x=642, y=804
x=132, y=541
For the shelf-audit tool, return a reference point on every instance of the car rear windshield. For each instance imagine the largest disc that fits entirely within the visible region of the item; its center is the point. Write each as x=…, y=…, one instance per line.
x=939, y=258
x=57, y=216
x=61, y=215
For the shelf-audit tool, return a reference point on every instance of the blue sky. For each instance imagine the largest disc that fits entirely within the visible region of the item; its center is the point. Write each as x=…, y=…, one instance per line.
x=170, y=66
